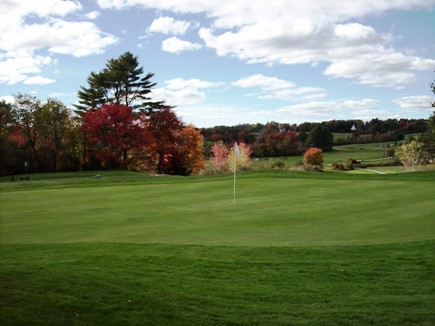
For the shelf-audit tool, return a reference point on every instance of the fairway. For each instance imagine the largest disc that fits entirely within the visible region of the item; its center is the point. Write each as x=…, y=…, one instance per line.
x=296, y=248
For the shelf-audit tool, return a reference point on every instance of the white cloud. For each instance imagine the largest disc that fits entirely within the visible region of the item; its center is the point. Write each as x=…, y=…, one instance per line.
x=75, y=38
x=321, y=111
x=7, y=99
x=92, y=15
x=273, y=88
x=381, y=68
x=180, y=83
x=175, y=45
x=14, y=70
x=168, y=25
x=307, y=32
x=417, y=103
x=182, y=92
x=20, y=39
x=38, y=80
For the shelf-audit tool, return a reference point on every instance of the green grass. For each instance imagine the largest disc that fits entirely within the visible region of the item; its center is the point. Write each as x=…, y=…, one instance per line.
x=141, y=284
x=296, y=249
x=364, y=152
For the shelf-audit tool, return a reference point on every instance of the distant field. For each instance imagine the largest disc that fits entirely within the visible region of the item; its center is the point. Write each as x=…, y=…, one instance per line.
x=364, y=152
x=297, y=248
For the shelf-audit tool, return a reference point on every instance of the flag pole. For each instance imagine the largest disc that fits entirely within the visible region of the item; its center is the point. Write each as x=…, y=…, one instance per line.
x=235, y=162
x=236, y=152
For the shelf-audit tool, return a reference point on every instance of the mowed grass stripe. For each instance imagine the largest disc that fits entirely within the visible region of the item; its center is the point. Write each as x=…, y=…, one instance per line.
x=270, y=211
x=132, y=284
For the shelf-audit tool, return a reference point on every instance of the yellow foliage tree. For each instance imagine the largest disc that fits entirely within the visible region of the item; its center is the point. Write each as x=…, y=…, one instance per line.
x=411, y=154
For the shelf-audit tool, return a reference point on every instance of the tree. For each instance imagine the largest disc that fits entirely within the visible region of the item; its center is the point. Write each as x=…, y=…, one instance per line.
x=39, y=133
x=320, y=137
x=53, y=120
x=191, y=151
x=121, y=82
x=313, y=159
x=164, y=128
x=7, y=148
x=411, y=154
x=428, y=137
x=26, y=108
x=113, y=131
x=243, y=159
x=432, y=87
x=219, y=159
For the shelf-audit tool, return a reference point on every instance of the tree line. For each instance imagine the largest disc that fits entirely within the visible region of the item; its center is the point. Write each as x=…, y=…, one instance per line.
x=116, y=125
x=283, y=139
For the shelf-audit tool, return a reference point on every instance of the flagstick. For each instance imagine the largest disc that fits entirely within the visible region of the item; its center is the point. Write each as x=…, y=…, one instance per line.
x=235, y=162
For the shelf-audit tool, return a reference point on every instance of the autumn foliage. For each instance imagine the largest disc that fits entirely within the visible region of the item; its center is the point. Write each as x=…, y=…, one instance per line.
x=222, y=159
x=112, y=132
x=158, y=142
x=313, y=159
x=219, y=159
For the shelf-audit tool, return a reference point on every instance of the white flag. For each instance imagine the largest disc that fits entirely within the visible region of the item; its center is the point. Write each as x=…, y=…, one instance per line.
x=236, y=149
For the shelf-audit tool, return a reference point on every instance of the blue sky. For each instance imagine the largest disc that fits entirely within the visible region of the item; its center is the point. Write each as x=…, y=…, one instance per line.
x=247, y=61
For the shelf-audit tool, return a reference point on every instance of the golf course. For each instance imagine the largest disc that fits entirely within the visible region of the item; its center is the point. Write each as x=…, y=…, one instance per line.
x=296, y=248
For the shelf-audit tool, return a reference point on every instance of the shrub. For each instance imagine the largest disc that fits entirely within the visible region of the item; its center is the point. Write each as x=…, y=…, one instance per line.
x=349, y=164
x=278, y=165
x=338, y=166
x=313, y=159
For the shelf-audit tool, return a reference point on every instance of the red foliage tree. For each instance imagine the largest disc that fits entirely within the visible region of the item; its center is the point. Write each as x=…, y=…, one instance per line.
x=164, y=128
x=113, y=131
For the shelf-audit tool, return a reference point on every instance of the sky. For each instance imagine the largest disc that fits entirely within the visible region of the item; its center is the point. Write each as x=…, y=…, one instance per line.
x=232, y=62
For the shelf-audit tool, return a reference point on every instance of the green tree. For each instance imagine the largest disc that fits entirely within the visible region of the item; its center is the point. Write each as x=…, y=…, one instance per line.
x=432, y=87
x=53, y=120
x=428, y=138
x=122, y=82
x=43, y=128
x=7, y=150
x=411, y=154
x=320, y=137
x=26, y=109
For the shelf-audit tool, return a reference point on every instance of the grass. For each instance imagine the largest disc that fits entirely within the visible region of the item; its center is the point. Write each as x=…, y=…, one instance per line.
x=363, y=152
x=129, y=284
x=296, y=249
x=273, y=209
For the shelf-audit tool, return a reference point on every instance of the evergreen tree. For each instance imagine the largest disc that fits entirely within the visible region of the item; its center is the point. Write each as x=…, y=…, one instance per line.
x=121, y=82
x=320, y=137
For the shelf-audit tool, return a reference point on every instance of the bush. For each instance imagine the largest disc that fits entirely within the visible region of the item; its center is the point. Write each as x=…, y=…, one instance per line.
x=278, y=165
x=338, y=166
x=313, y=159
x=350, y=162
x=376, y=165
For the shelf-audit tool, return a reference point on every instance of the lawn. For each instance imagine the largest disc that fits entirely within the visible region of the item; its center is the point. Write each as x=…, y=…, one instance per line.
x=363, y=152
x=296, y=248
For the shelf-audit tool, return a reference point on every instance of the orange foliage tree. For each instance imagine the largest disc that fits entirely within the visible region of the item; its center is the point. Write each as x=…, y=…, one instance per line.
x=174, y=148
x=313, y=159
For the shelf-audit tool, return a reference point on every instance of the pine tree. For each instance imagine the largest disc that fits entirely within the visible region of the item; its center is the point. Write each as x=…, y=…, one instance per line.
x=121, y=82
